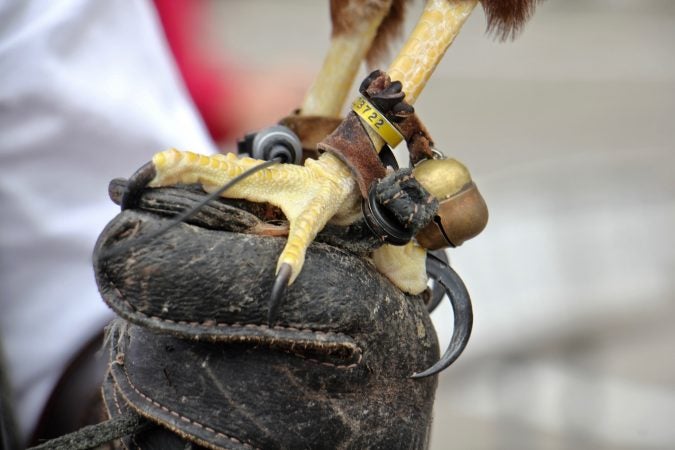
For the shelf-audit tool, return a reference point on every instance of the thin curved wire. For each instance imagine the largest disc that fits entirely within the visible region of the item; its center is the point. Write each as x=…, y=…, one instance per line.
x=188, y=213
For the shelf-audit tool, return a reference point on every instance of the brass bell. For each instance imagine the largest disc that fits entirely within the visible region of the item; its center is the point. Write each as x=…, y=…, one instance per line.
x=462, y=212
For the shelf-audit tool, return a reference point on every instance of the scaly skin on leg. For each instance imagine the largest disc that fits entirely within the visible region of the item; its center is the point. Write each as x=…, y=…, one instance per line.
x=269, y=185
x=332, y=191
x=350, y=42
x=311, y=195
x=423, y=50
x=308, y=195
x=440, y=23
x=404, y=265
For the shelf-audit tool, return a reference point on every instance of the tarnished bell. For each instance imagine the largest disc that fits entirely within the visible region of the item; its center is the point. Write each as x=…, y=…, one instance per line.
x=462, y=213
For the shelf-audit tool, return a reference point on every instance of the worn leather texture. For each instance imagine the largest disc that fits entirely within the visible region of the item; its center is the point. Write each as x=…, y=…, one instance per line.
x=350, y=142
x=389, y=98
x=195, y=355
x=311, y=130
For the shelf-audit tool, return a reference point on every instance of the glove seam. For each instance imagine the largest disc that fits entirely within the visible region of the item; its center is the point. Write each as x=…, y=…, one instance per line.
x=356, y=348
x=180, y=416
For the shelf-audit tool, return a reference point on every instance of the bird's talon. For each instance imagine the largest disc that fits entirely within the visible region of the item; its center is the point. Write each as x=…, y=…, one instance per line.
x=435, y=271
x=136, y=184
x=278, y=290
x=461, y=307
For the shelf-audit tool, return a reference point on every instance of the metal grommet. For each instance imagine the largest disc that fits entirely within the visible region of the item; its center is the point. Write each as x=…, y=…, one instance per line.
x=273, y=142
x=381, y=223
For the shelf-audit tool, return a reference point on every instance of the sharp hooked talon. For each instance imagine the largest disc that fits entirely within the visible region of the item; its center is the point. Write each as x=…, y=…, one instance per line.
x=461, y=307
x=278, y=290
x=437, y=291
x=135, y=185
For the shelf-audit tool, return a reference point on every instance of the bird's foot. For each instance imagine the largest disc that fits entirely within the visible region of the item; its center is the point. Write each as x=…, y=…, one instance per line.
x=309, y=196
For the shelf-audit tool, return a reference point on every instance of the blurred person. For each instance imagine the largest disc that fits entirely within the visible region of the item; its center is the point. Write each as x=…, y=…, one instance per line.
x=88, y=92
x=231, y=98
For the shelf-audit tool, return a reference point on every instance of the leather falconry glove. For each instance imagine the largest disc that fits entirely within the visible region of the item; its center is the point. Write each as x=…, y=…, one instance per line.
x=194, y=355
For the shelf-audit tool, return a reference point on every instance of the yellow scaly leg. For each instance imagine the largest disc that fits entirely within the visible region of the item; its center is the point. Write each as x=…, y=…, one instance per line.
x=309, y=195
x=440, y=22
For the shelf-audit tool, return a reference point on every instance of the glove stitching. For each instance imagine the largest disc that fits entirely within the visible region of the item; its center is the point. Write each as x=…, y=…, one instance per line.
x=184, y=418
x=357, y=350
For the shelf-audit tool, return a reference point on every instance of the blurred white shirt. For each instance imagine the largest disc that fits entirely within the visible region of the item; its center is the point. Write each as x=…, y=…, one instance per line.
x=88, y=92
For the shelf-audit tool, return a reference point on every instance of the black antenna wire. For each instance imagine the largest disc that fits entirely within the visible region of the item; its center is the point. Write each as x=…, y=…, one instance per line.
x=188, y=213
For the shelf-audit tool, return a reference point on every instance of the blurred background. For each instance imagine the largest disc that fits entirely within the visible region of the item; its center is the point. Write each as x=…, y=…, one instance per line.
x=569, y=133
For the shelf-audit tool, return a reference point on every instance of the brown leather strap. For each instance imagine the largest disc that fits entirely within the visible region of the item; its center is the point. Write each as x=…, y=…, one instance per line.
x=311, y=130
x=350, y=141
x=417, y=138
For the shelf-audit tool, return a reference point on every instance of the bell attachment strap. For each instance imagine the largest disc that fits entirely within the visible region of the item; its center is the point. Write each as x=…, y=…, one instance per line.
x=382, y=224
x=398, y=207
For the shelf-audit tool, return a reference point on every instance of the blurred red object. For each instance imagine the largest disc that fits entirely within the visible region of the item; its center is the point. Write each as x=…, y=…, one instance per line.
x=209, y=80
x=232, y=98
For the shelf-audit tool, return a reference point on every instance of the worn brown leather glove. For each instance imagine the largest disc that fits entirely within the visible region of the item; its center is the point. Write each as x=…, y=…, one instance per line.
x=193, y=352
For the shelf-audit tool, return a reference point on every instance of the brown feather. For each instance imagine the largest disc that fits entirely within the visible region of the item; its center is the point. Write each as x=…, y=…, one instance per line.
x=505, y=18
x=350, y=16
x=389, y=30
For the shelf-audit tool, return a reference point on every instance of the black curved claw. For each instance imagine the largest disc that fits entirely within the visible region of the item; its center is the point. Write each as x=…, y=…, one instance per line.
x=437, y=291
x=135, y=185
x=277, y=294
x=461, y=306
